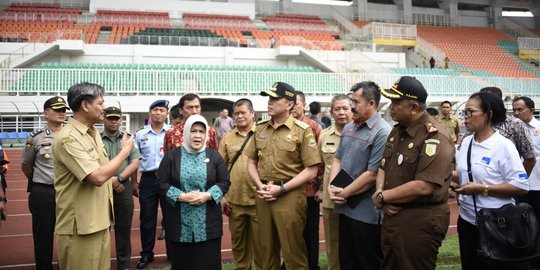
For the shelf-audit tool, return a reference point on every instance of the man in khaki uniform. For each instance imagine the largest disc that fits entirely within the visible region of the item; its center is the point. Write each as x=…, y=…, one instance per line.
x=282, y=157
x=413, y=180
x=82, y=170
x=341, y=109
x=124, y=184
x=37, y=166
x=449, y=121
x=239, y=202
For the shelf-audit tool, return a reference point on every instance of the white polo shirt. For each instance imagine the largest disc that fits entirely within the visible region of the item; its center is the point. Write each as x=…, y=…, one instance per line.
x=534, y=179
x=493, y=161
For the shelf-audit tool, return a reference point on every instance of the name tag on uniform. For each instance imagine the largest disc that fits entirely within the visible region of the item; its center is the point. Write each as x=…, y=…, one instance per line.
x=486, y=160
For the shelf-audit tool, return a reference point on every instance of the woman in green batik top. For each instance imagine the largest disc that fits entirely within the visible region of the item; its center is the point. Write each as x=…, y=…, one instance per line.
x=193, y=180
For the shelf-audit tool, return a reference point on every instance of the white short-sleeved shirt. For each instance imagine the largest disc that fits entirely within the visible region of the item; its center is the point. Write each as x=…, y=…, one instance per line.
x=534, y=178
x=493, y=161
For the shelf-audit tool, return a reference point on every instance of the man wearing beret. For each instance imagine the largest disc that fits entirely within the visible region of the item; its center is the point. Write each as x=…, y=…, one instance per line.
x=124, y=184
x=82, y=170
x=282, y=157
x=37, y=166
x=150, y=143
x=413, y=181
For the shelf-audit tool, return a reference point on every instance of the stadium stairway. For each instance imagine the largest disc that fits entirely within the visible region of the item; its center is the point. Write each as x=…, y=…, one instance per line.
x=103, y=37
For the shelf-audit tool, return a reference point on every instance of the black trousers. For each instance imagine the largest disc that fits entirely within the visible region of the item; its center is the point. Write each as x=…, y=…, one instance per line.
x=149, y=200
x=359, y=244
x=41, y=203
x=468, y=245
x=311, y=233
x=195, y=256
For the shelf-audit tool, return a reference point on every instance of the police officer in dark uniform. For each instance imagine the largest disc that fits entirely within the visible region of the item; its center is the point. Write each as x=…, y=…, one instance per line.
x=37, y=165
x=413, y=180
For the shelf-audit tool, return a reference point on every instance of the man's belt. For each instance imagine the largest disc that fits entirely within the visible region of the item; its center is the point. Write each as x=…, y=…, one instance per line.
x=275, y=182
x=420, y=205
x=43, y=185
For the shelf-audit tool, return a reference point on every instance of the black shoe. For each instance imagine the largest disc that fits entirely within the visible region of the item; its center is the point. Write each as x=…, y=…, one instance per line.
x=144, y=262
x=161, y=235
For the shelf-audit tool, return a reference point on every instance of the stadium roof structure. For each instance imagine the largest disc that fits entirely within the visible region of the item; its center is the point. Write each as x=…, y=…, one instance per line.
x=523, y=5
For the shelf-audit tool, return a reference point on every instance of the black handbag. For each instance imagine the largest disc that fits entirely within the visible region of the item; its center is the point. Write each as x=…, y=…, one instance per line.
x=506, y=234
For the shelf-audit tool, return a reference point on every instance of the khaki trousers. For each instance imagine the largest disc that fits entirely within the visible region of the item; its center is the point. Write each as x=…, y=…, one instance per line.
x=84, y=252
x=244, y=227
x=281, y=225
x=331, y=237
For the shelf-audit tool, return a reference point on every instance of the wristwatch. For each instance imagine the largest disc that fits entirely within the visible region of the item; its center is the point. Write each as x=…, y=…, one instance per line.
x=3, y=199
x=121, y=179
x=485, y=192
x=380, y=197
x=282, y=190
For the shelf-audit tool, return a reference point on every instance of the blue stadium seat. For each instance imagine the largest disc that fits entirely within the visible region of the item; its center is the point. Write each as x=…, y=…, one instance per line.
x=3, y=135
x=23, y=135
x=12, y=135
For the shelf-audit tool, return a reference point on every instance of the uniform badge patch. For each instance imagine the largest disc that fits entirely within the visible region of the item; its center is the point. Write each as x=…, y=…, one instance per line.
x=431, y=149
x=312, y=142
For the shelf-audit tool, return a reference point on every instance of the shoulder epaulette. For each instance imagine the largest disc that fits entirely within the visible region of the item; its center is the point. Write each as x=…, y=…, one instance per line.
x=431, y=128
x=36, y=132
x=301, y=124
x=141, y=128
x=263, y=121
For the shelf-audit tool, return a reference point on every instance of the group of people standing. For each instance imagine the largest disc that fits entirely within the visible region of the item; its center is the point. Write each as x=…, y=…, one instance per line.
x=270, y=177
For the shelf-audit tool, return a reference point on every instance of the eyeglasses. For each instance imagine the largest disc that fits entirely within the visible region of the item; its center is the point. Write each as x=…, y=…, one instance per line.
x=469, y=112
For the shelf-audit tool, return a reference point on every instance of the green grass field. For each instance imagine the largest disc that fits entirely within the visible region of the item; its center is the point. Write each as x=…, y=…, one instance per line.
x=448, y=257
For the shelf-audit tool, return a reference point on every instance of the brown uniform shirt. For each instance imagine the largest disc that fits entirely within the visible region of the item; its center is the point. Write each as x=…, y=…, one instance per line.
x=242, y=189
x=78, y=151
x=423, y=151
x=452, y=125
x=284, y=152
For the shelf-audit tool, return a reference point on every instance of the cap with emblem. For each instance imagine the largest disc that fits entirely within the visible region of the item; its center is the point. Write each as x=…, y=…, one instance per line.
x=406, y=88
x=55, y=103
x=160, y=103
x=112, y=112
x=282, y=90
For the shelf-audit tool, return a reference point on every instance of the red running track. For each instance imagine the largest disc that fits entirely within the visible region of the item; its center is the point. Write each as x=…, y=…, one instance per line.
x=16, y=232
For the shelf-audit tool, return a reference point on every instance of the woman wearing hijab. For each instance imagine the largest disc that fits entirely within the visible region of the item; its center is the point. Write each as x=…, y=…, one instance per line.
x=193, y=180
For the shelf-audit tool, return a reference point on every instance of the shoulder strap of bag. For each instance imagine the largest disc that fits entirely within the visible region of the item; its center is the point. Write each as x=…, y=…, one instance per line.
x=250, y=133
x=469, y=172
